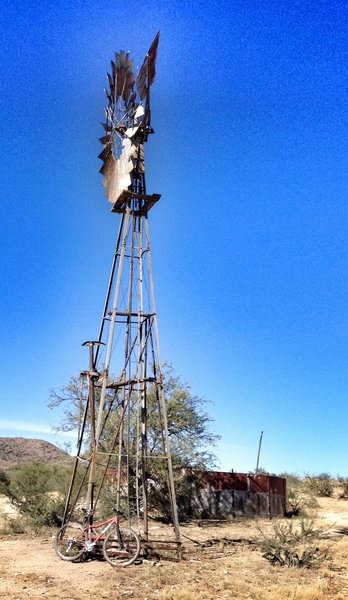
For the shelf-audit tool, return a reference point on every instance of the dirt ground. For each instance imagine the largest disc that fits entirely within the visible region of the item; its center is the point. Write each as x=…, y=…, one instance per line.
x=225, y=564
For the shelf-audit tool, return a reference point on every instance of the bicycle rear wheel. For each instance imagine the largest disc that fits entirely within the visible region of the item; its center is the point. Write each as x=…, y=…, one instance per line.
x=69, y=542
x=121, y=546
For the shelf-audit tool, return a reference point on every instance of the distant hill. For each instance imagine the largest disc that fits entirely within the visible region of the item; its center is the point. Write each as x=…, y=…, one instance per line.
x=17, y=450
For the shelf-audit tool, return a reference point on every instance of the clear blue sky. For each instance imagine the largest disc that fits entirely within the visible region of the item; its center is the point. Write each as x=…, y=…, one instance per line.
x=249, y=240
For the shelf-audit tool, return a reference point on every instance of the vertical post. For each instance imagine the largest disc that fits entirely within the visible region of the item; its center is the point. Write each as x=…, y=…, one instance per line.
x=269, y=498
x=233, y=494
x=112, y=327
x=258, y=454
x=142, y=375
x=119, y=459
x=91, y=374
x=162, y=404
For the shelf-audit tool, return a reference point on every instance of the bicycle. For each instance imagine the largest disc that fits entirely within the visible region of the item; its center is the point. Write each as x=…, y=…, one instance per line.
x=121, y=545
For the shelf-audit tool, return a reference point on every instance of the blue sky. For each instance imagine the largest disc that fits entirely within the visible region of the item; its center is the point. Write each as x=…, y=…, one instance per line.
x=249, y=240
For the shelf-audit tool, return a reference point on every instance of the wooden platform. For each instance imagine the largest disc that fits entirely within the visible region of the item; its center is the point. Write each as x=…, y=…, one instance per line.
x=122, y=202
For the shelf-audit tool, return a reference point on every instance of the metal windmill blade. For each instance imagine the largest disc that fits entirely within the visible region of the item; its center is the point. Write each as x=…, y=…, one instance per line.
x=123, y=77
x=127, y=122
x=119, y=150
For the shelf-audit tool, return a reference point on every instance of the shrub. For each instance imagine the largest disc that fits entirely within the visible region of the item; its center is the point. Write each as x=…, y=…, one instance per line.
x=36, y=491
x=299, y=500
x=320, y=485
x=293, y=546
x=12, y=526
x=298, y=503
x=344, y=487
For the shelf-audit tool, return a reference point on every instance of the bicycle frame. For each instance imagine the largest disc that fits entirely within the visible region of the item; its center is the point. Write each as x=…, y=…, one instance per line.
x=108, y=523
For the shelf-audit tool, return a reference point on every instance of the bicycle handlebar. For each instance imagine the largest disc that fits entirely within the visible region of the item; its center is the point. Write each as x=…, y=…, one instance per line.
x=89, y=512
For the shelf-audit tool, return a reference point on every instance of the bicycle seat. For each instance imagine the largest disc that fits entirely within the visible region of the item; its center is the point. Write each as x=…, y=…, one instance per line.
x=87, y=511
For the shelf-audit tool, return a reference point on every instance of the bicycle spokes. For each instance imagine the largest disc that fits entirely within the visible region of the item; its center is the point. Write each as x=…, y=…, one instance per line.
x=121, y=546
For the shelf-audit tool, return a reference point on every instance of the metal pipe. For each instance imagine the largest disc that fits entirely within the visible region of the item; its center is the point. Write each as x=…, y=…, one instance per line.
x=258, y=454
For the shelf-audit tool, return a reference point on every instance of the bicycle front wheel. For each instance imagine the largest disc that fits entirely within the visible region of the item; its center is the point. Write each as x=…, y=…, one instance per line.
x=70, y=541
x=121, y=546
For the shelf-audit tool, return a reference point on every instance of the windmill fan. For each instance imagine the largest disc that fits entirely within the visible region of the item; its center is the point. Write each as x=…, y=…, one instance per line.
x=127, y=123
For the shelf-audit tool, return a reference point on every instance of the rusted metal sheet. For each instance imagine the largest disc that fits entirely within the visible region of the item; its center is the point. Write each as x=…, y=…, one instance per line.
x=220, y=494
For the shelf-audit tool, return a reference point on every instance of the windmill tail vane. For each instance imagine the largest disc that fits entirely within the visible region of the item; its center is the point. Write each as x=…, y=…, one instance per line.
x=147, y=72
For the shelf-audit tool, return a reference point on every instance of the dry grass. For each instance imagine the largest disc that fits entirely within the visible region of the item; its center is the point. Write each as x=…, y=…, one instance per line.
x=221, y=562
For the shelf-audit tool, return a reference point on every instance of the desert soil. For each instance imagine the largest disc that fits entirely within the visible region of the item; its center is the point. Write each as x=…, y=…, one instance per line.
x=225, y=564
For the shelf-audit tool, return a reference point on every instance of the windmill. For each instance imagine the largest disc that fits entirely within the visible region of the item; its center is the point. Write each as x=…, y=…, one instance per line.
x=123, y=389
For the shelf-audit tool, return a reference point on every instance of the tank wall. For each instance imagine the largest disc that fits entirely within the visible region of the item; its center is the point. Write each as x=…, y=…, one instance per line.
x=219, y=495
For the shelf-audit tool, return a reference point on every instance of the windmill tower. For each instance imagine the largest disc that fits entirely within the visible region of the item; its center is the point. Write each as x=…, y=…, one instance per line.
x=123, y=441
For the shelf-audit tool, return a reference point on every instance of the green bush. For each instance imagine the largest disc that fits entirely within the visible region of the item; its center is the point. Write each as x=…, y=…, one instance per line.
x=292, y=546
x=37, y=491
x=320, y=485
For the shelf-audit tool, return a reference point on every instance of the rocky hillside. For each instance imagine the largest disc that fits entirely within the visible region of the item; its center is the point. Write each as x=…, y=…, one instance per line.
x=16, y=450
